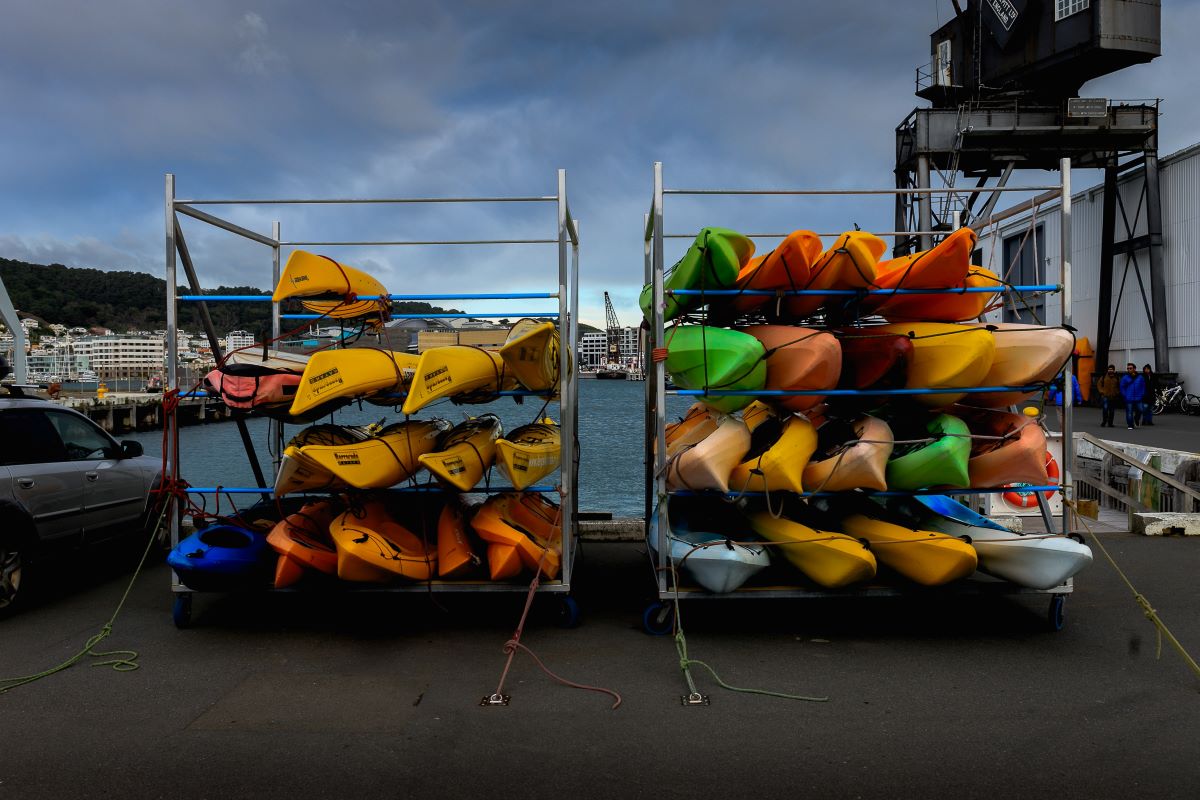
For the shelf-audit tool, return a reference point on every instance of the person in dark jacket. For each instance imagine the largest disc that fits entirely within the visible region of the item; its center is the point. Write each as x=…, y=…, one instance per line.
x=1151, y=391
x=1109, y=387
x=1133, y=391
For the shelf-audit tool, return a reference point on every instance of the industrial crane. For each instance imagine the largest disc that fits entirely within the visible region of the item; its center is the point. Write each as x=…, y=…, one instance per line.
x=614, y=332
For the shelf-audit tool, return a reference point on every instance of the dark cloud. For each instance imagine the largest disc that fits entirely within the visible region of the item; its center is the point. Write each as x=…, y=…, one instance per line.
x=382, y=99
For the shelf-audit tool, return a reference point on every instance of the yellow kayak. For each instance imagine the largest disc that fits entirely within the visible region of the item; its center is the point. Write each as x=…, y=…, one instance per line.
x=465, y=452
x=531, y=353
x=298, y=473
x=944, y=355
x=832, y=560
x=354, y=372
x=373, y=547
x=308, y=275
x=457, y=371
x=383, y=460
x=779, y=450
x=926, y=557
x=529, y=453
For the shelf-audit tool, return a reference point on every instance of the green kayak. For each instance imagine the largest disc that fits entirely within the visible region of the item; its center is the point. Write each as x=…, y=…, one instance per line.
x=942, y=462
x=702, y=357
x=712, y=262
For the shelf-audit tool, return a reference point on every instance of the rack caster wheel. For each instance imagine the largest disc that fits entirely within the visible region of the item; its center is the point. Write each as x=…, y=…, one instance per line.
x=568, y=612
x=181, y=610
x=659, y=618
x=1054, y=614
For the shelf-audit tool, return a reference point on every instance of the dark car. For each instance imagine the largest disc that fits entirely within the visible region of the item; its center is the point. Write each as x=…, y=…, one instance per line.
x=64, y=484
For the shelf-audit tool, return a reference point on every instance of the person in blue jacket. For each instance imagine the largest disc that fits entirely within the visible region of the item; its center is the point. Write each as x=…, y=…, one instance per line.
x=1055, y=394
x=1133, y=391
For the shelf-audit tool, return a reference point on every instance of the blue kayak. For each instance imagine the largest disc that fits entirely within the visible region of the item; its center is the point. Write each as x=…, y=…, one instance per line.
x=223, y=557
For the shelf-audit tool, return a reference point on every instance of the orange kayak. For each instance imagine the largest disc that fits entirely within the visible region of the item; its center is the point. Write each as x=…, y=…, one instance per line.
x=942, y=267
x=850, y=455
x=526, y=523
x=849, y=263
x=799, y=359
x=786, y=267
x=455, y=554
x=963, y=307
x=303, y=543
x=1018, y=457
x=373, y=547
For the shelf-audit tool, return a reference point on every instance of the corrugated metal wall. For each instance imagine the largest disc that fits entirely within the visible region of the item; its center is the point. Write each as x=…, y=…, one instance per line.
x=1179, y=180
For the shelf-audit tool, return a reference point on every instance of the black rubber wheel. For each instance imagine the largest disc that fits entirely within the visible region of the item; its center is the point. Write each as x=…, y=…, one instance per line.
x=659, y=618
x=13, y=569
x=181, y=610
x=1054, y=614
x=568, y=612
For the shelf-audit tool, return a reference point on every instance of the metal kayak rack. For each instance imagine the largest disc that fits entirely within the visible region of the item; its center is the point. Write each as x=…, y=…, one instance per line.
x=657, y=617
x=564, y=290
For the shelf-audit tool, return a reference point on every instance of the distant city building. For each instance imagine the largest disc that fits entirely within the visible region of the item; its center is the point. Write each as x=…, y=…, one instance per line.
x=235, y=340
x=593, y=348
x=118, y=356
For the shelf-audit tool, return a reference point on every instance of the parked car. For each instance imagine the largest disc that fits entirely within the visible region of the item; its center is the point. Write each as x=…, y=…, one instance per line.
x=65, y=484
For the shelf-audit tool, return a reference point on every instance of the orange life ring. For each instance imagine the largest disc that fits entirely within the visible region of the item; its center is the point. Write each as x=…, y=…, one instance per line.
x=1029, y=499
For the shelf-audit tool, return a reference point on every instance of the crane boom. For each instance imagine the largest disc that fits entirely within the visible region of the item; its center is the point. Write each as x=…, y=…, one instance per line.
x=614, y=331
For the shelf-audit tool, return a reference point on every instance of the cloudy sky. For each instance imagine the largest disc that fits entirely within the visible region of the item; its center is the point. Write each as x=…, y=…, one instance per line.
x=276, y=99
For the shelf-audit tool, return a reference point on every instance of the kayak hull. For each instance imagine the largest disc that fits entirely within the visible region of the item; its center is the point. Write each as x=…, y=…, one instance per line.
x=799, y=359
x=701, y=357
x=856, y=459
x=832, y=560
x=942, y=462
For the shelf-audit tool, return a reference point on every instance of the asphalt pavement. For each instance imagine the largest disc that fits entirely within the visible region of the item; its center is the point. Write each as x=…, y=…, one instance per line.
x=1171, y=431
x=378, y=695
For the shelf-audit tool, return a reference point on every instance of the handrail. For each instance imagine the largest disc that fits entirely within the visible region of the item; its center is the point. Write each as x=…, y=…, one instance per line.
x=1130, y=460
x=1108, y=491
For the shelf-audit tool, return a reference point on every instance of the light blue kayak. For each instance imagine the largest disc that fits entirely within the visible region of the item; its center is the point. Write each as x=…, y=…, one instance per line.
x=717, y=559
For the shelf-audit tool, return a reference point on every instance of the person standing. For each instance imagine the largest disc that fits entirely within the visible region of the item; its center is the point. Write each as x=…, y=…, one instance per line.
x=1133, y=390
x=1109, y=387
x=1151, y=392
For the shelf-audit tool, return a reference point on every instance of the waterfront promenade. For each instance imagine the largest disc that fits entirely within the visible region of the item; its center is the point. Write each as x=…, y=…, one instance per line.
x=377, y=695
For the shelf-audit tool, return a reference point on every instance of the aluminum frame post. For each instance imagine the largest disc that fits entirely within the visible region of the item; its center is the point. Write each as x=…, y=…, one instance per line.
x=567, y=454
x=924, y=204
x=8, y=314
x=1068, y=394
x=172, y=265
x=660, y=377
x=648, y=390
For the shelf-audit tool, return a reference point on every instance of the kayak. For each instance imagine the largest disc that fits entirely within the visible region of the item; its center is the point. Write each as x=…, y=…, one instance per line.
x=308, y=275
x=529, y=453
x=465, y=452
x=944, y=355
x=298, y=473
x=713, y=261
x=710, y=541
x=350, y=373
x=786, y=267
x=779, y=450
x=944, y=266
x=1085, y=366
x=930, y=558
x=385, y=459
x=531, y=354
x=222, y=558
x=468, y=374
x=798, y=359
x=708, y=463
x=455, y=554
x=946, y=307
x=703, y=357
x=693, y=428
x=942, y=462
x=873, y=360
x=523, y=531
x=374, y=547
x=1025, y=355
x=851, y=262
x=1038, y=561
x=303, y=543
x=830, y=559
x=850, y=455
x=1018, y=457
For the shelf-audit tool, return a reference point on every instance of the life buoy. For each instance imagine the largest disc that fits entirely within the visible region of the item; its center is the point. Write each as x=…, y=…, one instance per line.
x=1029, y=499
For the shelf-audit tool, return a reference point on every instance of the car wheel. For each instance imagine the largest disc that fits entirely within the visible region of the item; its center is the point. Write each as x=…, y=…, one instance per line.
x=13, y=569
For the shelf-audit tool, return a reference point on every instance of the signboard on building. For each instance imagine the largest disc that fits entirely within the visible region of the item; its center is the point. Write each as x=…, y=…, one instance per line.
x=1087, y=106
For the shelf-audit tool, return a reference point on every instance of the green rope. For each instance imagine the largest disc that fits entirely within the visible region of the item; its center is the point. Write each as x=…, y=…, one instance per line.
x=125, y=660
x=685, y=663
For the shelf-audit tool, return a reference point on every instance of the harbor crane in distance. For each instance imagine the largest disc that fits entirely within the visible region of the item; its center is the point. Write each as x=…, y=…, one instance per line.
x=614, y=332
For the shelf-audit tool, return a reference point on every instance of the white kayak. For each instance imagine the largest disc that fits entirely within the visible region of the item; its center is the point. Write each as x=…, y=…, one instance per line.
x=720, y=560
x=1034, y=560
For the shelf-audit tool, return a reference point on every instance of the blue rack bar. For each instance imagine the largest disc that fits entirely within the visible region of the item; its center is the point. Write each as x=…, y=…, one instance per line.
x=269, y=490
x=999, y=490
x=508, y=393
x=1048, y=287
x=260, y=298
x=503, y=314
x=849, y=392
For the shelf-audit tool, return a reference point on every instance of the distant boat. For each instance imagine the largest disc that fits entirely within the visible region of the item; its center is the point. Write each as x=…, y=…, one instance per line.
x=611, y=372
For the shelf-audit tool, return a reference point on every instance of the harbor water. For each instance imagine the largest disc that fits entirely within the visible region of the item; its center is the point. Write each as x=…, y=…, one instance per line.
x=611, y=433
